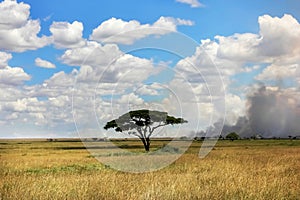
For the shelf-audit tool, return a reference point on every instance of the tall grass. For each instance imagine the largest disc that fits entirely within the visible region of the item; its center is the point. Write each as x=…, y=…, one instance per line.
x=233, y=170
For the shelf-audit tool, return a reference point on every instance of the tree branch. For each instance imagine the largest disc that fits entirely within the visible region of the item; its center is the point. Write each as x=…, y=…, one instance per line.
x=140, y=132
x=135, y=134
x=160, y=125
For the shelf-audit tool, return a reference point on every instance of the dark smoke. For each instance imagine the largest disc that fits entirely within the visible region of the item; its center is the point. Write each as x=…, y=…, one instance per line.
x=271, y=113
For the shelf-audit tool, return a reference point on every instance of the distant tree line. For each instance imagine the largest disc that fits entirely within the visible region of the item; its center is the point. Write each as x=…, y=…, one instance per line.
x=235, y=136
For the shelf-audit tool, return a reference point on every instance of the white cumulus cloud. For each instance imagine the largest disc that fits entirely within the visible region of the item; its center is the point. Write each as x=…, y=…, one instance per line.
x=279, y=72
x=66, y=35
x=13, y=76
x=13, y=14
x=123, y=32
x=18, y=32
x=276, y=44
x=280, y=36
x=44, y=63
x=4, y=58
x=106, y=70
x=92, y=53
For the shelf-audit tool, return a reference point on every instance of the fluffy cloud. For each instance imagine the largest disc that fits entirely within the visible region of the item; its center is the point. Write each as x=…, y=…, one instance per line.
x=280, y=36
x=60, y=101
x=119, y=31
x=13, y=76
x=148, y=90
x=206, y=68
x=10, y=93
x=131, y=99
x=24, y=104
x=61, y=79
x=105, y=70
x=4, y=58
x=235, y=107
x=13, y=14
x=17, y=31
x=231, y=55
x=130, y=69
x=280, y=44
x=171, y=23
x=197, y=82
x=21, y=109
x=42, y=107
x=239, y=47
x=107, y=63
x=279, y=72
x=49, y=104
x=66, y=35
x=278, y=41
x=93, y=54
x=34, y=112
x=44, y=63
x=192, y=3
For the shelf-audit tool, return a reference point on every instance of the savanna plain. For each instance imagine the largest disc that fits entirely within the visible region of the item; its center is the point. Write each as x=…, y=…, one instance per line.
x=64, y=169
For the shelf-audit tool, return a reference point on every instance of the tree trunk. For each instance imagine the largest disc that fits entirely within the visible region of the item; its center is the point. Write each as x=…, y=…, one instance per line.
x=146, y=143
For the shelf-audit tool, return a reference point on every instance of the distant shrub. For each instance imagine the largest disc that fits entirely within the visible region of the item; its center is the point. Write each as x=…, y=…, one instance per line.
x=170, y=149
x=232, y=136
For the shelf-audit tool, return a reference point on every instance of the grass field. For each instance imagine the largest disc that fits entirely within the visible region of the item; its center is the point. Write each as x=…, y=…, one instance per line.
x=244, y=169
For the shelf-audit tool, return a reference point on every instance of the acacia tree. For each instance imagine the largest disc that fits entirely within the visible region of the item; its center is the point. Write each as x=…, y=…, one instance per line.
x=142, y=124
x=232, y=136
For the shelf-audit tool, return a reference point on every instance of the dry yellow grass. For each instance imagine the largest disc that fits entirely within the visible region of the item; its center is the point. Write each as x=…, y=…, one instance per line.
x=233, y=170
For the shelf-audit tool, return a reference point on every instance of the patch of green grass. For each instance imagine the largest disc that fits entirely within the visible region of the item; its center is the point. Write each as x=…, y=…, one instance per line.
x=74, y=168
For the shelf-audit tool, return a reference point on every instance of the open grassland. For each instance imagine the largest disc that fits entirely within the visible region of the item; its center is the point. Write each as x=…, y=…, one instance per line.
x=256, y=169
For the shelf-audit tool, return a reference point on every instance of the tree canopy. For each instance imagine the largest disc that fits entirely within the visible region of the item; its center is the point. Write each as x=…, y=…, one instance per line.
x=142, y=123
x=232, y=136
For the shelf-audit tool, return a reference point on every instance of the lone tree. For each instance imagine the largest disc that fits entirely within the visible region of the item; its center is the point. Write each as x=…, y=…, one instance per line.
x=142, y=123
x=232, y=136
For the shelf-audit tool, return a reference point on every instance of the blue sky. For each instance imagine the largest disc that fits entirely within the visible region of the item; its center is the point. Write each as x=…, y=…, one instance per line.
x=216, y=18
x=242, y=39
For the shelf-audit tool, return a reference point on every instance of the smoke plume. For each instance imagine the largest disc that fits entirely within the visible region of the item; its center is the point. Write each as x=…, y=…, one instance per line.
x=271, y=112
x=274, y=112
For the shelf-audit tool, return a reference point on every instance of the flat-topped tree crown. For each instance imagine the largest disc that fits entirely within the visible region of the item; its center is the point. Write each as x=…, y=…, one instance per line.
x=142, y=123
